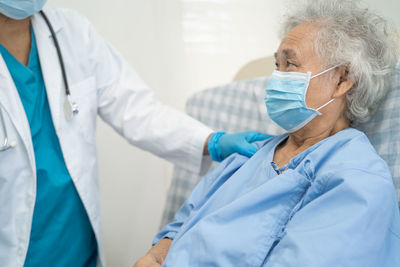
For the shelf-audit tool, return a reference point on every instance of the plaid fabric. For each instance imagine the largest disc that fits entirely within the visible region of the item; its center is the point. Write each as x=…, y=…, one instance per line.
x=239, y=106
x=383, y=130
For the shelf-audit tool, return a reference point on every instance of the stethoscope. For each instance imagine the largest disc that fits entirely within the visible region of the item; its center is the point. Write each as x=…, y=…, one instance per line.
x=70, y=107
x=6, y=144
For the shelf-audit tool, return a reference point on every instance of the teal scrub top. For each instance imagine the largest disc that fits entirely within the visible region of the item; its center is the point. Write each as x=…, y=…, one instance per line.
x=61, y=233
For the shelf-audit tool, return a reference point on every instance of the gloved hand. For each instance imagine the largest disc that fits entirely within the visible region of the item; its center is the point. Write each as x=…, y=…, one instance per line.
x=222, y=145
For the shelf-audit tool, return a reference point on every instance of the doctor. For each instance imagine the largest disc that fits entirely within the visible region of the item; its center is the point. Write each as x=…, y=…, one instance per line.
x=56, y=75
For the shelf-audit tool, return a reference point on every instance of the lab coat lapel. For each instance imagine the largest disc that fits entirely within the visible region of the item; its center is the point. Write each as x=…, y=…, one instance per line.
x=50, y=65
x=11, y=103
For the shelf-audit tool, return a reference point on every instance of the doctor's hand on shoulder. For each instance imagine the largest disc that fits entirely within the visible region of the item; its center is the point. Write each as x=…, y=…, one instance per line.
x=222, y=145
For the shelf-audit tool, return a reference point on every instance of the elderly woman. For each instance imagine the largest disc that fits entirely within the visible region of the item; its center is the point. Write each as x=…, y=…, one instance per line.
x=320, y=195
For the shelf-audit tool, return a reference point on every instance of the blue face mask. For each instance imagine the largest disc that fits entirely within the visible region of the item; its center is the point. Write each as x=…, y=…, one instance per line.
x=285, y=99
x=20, y=9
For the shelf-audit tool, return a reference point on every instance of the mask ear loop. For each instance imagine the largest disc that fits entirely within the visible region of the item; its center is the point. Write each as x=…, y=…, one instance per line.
x=324, y=105
x=319, y=74
x=325, y=71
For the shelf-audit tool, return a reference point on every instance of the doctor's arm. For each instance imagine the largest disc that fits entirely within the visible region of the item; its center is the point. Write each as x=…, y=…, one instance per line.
x=127, y=104
x=350, y=224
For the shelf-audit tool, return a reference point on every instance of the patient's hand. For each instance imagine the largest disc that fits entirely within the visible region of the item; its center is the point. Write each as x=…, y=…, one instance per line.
x=147, y=261
x=156, y=255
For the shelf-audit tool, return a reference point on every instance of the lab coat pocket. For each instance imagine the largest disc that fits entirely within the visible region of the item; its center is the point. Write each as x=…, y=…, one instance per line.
x=84, y=94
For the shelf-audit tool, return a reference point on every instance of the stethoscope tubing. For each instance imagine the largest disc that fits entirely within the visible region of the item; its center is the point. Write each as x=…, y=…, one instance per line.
x=6, y=145
x=60, y=57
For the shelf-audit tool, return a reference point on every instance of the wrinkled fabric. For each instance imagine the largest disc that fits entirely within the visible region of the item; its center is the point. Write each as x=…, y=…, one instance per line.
x=332, y=205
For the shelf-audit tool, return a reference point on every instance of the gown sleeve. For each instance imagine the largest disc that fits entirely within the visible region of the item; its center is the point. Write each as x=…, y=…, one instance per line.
x=203, y=190
x=352, y=223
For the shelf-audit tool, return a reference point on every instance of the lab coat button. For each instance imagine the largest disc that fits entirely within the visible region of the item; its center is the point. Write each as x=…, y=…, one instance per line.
x=20, y=252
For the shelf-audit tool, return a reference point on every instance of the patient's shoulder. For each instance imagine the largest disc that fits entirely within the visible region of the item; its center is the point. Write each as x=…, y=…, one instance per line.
x=272, y=140
x=260, y=144
x=349, y=149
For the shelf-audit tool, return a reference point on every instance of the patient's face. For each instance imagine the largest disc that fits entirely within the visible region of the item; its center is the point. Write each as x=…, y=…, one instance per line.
x=296, y=54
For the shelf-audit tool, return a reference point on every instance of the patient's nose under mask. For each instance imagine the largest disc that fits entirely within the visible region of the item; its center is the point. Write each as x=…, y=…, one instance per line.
x=285, y=99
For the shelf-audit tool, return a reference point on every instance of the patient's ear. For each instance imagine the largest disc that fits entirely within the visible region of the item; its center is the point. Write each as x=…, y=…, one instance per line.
x=345, y=83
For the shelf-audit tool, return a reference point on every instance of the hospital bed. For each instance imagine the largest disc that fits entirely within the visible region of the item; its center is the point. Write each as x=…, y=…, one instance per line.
x=239, y=106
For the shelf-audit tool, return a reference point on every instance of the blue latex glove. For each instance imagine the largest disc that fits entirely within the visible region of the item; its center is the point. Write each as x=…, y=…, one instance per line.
x=222, y=145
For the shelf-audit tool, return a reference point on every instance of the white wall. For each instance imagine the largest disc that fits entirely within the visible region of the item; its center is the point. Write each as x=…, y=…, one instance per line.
x=387, y=8
x=178, y=47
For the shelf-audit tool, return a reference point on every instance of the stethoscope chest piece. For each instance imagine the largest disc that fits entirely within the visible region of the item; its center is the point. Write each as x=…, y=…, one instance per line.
x=70, y=108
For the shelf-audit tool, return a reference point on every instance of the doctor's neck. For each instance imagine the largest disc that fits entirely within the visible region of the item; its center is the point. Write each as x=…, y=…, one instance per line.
x=15, y=37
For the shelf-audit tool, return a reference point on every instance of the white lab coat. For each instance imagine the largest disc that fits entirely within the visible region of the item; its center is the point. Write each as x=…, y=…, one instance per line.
x=101, y=82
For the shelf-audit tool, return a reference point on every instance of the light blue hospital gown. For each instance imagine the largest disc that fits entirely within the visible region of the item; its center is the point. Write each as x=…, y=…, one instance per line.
x=335, y=205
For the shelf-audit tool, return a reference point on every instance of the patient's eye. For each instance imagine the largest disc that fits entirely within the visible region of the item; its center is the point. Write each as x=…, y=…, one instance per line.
x=290, y=66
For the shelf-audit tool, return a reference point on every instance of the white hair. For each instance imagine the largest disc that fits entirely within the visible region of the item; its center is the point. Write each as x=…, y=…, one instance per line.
x=352, y=35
